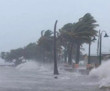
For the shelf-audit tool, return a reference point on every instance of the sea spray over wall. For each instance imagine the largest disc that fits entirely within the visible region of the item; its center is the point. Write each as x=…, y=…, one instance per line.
x=2, y=62
x=103, y=73
x=32, y=66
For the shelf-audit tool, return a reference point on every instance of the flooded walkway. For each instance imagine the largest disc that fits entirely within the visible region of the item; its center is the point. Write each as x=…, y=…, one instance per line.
x=11, y=79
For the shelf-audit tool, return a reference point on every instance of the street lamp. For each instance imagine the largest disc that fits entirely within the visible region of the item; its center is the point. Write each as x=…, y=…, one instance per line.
x=100, y=48
x=100, y=44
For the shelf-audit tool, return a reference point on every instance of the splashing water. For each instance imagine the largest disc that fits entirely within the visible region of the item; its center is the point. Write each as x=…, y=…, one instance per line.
x=35, y=67
x=2, y=62
x=103, y=73
x=31, y=66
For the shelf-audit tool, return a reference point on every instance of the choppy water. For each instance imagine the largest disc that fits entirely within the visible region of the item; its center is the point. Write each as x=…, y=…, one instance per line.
x=12, y=79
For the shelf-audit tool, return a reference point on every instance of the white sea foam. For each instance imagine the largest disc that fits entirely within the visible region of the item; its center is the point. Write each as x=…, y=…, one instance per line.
x=31, y=66
x=103, y=73
x=2, y=62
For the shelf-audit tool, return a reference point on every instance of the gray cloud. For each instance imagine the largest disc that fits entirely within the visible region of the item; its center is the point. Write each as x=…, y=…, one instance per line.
x=22, y=20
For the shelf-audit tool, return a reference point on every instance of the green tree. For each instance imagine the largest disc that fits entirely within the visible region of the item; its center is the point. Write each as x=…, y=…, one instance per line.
x=3, y=54
x=75, y=34
x=46, y=45
x=85, y=29
x=30, y=51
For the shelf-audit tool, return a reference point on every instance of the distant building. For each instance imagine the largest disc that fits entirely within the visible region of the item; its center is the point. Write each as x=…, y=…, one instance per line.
x=106, y=56
x=94, y=58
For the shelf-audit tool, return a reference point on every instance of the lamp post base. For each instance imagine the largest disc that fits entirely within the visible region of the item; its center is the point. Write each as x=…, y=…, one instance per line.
x=76, y=66
x=89, y=66
x=97, y=65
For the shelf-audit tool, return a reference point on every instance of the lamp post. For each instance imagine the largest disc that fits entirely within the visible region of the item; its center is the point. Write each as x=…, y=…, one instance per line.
x=100, y=45
x=100, y=48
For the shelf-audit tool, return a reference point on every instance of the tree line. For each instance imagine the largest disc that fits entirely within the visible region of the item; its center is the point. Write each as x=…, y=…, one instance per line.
x=70, y=39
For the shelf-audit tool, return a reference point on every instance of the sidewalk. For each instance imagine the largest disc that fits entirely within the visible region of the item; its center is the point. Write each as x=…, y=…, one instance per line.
x=81, y=70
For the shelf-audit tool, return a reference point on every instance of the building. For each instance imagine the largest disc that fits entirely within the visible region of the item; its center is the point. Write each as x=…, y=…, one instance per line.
x=94, y=58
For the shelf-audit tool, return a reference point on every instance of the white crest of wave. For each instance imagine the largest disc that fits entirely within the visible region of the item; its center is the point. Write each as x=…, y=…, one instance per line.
x=31, y=66
x=103, y=73
x=2, y=62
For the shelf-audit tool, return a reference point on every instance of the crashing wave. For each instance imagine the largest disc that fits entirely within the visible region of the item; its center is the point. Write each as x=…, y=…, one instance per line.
x=31, y=66
x=103, y=73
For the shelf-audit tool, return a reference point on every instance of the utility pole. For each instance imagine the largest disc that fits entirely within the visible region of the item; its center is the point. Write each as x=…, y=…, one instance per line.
x=55, y=53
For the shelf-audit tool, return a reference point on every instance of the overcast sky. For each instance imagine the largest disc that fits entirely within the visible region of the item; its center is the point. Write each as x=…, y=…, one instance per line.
x=21, y=21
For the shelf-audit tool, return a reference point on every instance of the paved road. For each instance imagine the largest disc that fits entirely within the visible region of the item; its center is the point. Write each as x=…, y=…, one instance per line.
x=12, y=79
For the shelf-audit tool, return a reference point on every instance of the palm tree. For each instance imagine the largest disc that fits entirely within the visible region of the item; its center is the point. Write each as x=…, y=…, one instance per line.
x=85, y=30
x=46, y=44
x=78, y=33
x=67, y=40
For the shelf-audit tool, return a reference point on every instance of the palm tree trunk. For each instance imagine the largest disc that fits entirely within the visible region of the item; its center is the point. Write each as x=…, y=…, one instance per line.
x=78, y=52
x=65, y=54
x=70, y=53
x=65, y=57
